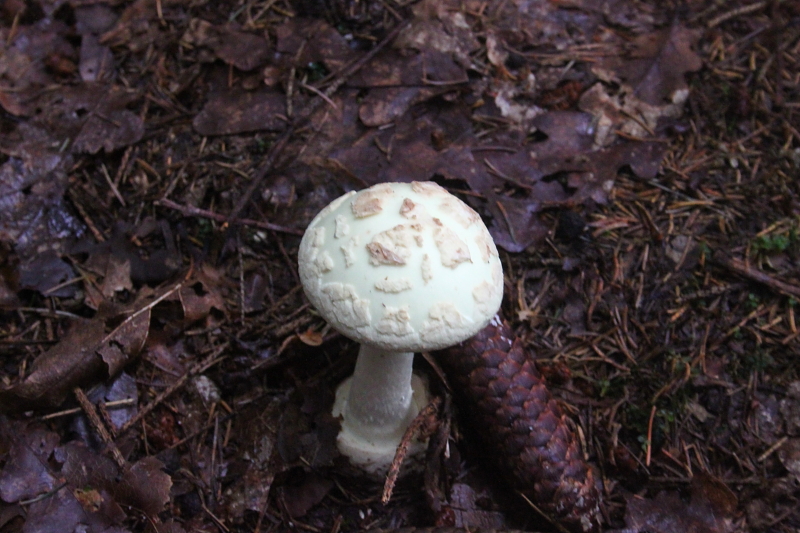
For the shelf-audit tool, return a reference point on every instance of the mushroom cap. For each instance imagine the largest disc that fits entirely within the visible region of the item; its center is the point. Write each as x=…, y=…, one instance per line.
x=402, y=266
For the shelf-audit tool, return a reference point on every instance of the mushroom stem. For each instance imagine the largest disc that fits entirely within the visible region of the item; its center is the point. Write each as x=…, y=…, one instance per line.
x=380, y=394
x=377, y=403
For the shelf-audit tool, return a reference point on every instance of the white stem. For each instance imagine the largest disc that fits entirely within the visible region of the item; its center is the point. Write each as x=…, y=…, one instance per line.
x=378, y=404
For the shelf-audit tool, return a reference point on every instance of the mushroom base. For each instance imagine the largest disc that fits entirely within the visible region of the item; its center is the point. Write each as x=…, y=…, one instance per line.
x=375, y=456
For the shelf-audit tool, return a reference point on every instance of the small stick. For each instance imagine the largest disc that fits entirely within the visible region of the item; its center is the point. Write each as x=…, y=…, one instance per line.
x=772, y=449
x=111, y=185
x=742, y=268
x=743, y=10
x=197, y=369
x=419, y=424
x=650, y=436
x=192, y=211
x=67, y=412
x=97, y=424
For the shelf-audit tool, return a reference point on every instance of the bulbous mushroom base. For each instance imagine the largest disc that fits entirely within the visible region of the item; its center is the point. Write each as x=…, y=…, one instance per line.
x=374, y=454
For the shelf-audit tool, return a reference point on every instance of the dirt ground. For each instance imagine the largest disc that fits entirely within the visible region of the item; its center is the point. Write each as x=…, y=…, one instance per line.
x=637, y=164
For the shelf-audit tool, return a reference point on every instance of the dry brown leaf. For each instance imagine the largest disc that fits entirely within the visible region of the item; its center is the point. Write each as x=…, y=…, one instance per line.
x=48, y=274
x=143, y=486
x=201, y=294
x=24, y=63
x=789, y=454
x=64, y=512
x=257, y=456
x=440, y=27
x=92, y=350
x=310, y=338
x=96, y=60
x=33, y=214
x=657, y=63
x=299, y=498
x=117, y=276
x=710, y=510
x=25, y=474
x=93, y=116
x=237, y=111
x=245, y=51
x=790, y=409
x=304, y=41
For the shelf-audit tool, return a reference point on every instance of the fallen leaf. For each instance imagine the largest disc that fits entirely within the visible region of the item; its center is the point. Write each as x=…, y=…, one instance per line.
x=300, y=497
x=117, y=277
x=790, y=409
x=143, y=486
x=56, y=372
x=619, y=111
x=119, y=263
x=710, y=510
x=33, y=214
x=134, y=28
x=546, y=25
x=437, y=26
x=201, y=294
x=789, y=454
x=656, y=63
x=311, y=337
x=48, y=274
x=98, y=114
x=257, y=456
x=302, y=42
x=245, y=51
x=24, y=59
x=26, y=474
x=235, y=110
x=63, y=512
x=123, y=387
x=397, y=81
x=96, y=62
x=92, y=350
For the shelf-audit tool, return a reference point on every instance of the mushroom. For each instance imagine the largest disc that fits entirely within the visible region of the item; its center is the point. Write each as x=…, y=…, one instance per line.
x=400, y=268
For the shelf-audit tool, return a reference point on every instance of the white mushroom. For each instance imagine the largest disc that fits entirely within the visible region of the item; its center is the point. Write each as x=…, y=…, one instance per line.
x=400, y=268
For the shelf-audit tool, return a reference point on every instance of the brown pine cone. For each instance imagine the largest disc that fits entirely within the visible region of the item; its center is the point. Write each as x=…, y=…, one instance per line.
x=505, y=398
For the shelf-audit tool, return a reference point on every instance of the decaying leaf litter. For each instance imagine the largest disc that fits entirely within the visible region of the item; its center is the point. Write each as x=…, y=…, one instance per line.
x=162, y=370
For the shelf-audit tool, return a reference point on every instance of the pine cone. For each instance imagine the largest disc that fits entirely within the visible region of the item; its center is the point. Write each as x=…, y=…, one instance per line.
x=498, y=386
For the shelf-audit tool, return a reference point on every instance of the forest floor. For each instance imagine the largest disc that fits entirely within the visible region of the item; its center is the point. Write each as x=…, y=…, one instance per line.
x=637, y=164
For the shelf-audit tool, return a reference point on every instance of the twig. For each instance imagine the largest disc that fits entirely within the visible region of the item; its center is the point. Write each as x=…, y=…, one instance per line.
x=112, y=186
x=547, y=517
x=743, y=269
x=739, y=11
x=198, y=432
x=43, y=496
x=650, y=436
x=320, y=94
x=772, y=449
x=199, y=368
x=419, y=424
x=67, y=412
x=497, y=172
x=192, y=211
x=97, y=424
